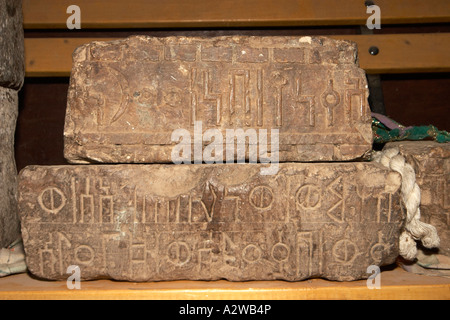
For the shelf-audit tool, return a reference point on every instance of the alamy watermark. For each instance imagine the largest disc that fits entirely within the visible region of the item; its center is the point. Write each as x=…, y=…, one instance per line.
x=220, y=150
x=374, y=21
x=374, y=280
x=74, y=280
x=74, y=20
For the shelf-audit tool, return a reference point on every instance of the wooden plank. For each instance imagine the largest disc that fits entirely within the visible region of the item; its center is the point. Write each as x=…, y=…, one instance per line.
x=51, y=57
x=398, y=53
x=395, y=284
x=50, y=14
x=403, y=53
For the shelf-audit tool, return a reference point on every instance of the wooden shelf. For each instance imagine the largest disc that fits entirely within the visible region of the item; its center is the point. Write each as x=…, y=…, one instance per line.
x=395, y=284
x=104, y=14
x=399, y=53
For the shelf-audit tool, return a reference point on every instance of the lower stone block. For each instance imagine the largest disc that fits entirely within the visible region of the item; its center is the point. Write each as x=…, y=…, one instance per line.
x=431, y=163
x=208, y=222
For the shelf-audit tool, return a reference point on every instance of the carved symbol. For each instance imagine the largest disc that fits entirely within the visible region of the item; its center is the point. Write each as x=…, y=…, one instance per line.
x=260, y=99
x=138, y=252
x=180, y=52
x=102, y=96
x=337, y=188
x=125, y=96
x=307, y=100
x=172, y=98
x=147, y=96
x=62, y=239
x=308, y=196
x=235, y=201
x=208, y=95
x=251, y=253
x=261, y=197
x=345, y=251
x=244, y=94
x=305, y=251
x=208, y=201
x=98, y=101
x=378, y=249
x=279, y=82
x=228, y=248
x=87, y=204
x=205, y=93
x=330, y=99
x=74, y=201
x=193, y=96
x=280, y=251
x=364, y=192
x=52, y=200
x=388, y=211
x=178, y=253
x=84, y=254
x=106, y=208
x=205, y=263
x=356, y=92
x=314, y=57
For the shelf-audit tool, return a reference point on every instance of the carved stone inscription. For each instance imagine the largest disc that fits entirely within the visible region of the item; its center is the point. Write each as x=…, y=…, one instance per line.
x=431, y=163
x=127, y=97
x=144, y=223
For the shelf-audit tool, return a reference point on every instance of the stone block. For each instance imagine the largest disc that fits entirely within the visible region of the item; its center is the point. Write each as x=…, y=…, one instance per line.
x=9, y=220
x=127, y=97
x=12, y=61
x=431, y=163
x=207, y=222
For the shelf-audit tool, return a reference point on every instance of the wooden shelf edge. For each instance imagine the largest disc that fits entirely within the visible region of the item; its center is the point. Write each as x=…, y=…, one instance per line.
x=391, y=293
x=103, y=14
x=395, y=285
x=399, y=53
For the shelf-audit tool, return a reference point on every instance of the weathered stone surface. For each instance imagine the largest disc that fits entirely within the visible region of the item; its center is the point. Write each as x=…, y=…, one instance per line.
x=205, y=222
x=9, y=220
x=12, y=63
x=127, y=97
x=431, y=162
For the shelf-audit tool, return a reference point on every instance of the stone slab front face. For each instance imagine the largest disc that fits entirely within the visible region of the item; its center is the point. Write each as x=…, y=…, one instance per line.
x=208, y=222
x=9, y=220
x=12, y=61
x=431, y=163
x=127, y=97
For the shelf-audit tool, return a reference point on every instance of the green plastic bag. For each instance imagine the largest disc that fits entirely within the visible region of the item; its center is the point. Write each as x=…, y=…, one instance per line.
x=387, y=130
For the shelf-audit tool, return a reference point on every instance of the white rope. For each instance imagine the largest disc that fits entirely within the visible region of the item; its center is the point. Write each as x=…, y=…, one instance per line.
x=414, y=229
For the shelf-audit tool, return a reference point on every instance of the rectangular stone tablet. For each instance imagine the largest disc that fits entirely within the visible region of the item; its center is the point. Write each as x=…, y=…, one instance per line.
x=431, y=163
x=128, y=97
x=208, y=222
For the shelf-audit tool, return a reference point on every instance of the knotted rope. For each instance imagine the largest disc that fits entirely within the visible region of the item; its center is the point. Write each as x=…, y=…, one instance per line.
x=414, y=229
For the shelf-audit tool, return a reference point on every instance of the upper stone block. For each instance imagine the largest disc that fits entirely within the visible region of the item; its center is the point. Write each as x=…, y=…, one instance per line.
x=127, y=97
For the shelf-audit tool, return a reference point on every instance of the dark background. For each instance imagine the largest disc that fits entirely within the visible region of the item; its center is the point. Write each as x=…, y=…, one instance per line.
x=410, y=99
